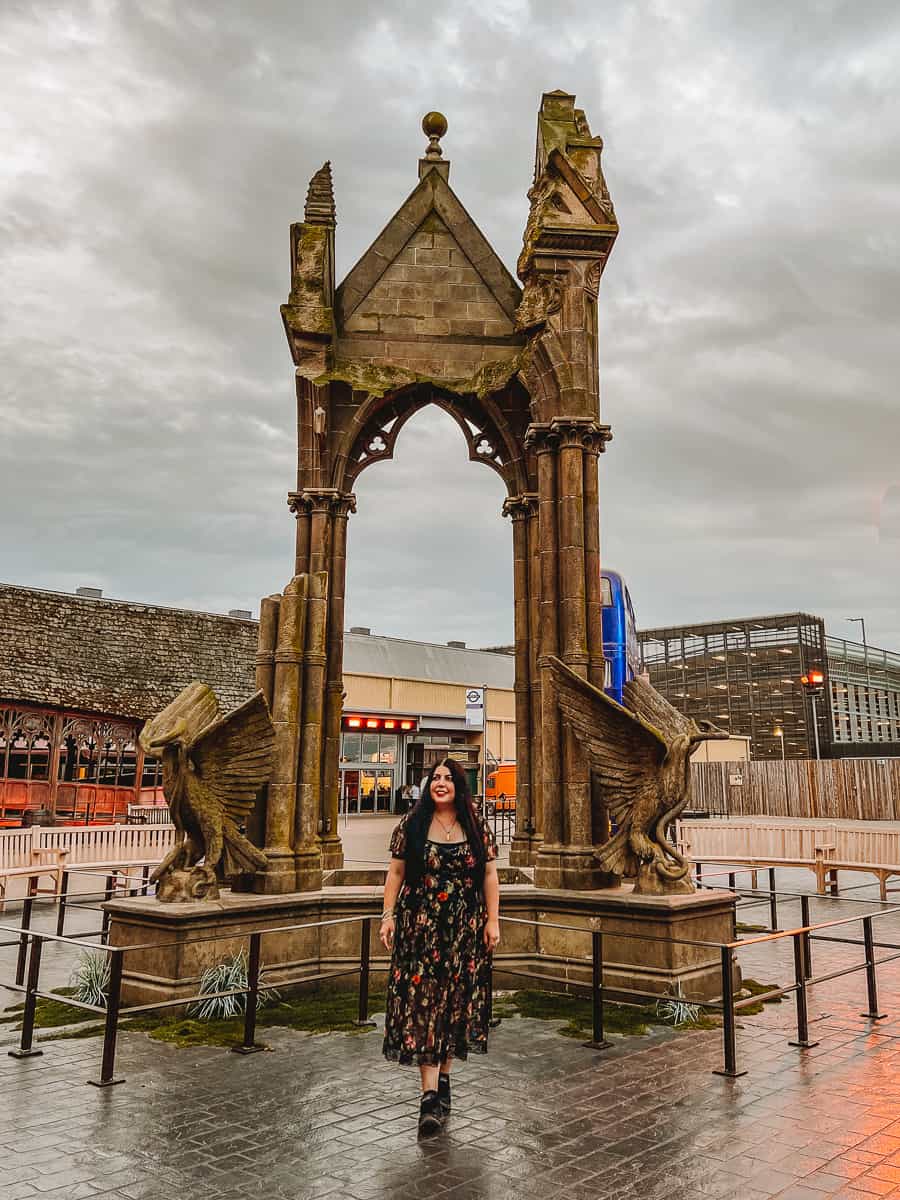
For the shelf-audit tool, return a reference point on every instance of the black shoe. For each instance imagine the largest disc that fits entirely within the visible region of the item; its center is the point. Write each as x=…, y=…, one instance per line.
x=429, y=1114
x=444, y=1093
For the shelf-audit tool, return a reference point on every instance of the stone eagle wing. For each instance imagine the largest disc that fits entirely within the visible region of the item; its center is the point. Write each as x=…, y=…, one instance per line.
x=622, y=748
x=233, y=757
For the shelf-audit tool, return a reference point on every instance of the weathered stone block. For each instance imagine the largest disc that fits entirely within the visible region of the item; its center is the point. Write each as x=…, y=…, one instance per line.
x=467, y=328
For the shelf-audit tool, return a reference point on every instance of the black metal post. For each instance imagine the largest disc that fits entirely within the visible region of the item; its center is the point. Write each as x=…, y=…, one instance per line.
x=27, y=906
x=731, y=880
x=250, y=1045
x=111, y=1029
x=26, y=1049
x=699, y=867
x=107, y=895
x=833, y=881
x=871, y=982
x=773, y=901
x=800, y=992
x=807, y=943
x=145, y=879
x=598, y=1041
x=63, y=897
x=365, y=934
x=729, y=1040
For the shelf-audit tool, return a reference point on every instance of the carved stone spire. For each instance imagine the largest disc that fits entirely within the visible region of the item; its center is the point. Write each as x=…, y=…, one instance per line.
x=320, y=199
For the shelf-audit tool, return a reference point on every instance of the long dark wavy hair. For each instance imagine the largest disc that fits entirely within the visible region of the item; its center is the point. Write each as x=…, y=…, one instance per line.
x=419, y=820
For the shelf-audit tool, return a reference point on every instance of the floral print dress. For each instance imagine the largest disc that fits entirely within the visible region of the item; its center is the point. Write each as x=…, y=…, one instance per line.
x=438, y=998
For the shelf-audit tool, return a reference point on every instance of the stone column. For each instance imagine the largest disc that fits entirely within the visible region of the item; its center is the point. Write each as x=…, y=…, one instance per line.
x=332, y=851
x=287, y=694
x=545, y=444
x=307, y=848
x=519, y=508
x=537, y=745
x=592, y=588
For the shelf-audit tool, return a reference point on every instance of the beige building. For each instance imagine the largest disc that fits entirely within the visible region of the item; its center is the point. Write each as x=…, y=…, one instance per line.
x=405, y=708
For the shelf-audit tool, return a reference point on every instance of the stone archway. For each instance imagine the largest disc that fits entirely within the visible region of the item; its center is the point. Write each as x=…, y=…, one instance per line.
x=429, y=315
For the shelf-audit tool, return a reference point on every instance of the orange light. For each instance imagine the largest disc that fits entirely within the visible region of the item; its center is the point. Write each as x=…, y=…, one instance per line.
x=816, y=677
x=372, y=723
x=354, y=722
x=390, y=724
x=406, y=725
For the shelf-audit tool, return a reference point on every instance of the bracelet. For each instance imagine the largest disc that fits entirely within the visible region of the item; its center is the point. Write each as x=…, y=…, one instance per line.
x=388, y=914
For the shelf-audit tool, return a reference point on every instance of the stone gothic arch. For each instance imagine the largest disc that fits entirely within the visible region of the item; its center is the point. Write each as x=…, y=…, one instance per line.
x=430, y=315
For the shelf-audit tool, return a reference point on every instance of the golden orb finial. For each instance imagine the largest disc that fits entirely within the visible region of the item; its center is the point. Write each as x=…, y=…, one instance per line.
x=434, y=126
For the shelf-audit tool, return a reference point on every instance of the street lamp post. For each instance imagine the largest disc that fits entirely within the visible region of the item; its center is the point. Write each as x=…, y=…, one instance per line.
x=778, y=732
x=814, y=684
x=862, y=621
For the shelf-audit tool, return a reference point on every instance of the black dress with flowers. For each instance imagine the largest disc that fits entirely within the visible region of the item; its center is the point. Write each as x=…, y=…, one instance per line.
x=438, y=997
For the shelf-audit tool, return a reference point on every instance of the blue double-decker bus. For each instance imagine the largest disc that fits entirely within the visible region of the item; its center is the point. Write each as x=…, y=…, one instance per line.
x=620, y=644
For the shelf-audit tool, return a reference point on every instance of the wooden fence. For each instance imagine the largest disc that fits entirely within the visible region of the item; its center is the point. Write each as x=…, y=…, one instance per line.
x=836, y=789
x=88, y=843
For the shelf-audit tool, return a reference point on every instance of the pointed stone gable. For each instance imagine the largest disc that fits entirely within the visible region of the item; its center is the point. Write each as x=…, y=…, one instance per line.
x=429, y=296
x=431, y=289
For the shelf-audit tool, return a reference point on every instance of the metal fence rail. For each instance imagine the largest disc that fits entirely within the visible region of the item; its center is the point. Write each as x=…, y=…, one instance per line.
x=31, y=942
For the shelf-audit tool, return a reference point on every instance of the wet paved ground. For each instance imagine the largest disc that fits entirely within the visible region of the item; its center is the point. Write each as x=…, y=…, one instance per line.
x=540, y=1116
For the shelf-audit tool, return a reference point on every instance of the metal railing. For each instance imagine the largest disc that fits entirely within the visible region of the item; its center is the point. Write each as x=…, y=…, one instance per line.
x=31, y=942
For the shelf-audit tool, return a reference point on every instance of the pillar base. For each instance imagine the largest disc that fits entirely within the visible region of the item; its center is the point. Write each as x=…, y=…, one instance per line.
x=570, y=868
x=332, y=852
x=522, y=851
x=308, y=866
x=280, y=878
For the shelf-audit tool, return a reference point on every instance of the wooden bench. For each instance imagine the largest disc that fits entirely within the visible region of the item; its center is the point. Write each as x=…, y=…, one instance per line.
x=45, y=863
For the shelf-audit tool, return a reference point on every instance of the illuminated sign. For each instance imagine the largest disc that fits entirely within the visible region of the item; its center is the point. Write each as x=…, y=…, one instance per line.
x=387, y=724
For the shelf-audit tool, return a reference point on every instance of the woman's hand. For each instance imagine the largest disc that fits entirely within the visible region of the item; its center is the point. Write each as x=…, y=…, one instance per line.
x=491, y=934
x=386, y=933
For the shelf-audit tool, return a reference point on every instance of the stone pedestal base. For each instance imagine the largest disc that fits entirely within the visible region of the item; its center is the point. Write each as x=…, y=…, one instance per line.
x=524, y=850
x=170, y=952
x=569, y=867
x=332, y=852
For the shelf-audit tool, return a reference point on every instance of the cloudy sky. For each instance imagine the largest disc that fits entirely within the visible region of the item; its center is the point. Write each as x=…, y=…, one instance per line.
x=156, y=151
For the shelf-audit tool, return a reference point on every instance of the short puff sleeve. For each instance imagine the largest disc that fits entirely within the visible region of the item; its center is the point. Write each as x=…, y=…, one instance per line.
x=398, y=841
x=490, y=843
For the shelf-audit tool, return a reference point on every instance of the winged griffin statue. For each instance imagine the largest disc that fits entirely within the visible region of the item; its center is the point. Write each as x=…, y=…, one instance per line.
x=213, y=768
x=640, y=754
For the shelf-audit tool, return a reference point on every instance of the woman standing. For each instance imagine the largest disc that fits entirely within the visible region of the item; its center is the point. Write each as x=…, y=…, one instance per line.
x=440, y=919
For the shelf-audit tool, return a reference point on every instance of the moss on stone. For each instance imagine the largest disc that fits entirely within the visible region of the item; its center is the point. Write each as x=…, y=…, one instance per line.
x=48, y=1014
x=753, y=987
x=378, y=380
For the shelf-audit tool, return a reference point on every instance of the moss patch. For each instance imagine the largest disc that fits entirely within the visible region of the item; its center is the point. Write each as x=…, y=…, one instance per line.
x=575, y=1014
x=48, y=1014
x=755, y=988
x=742, y=928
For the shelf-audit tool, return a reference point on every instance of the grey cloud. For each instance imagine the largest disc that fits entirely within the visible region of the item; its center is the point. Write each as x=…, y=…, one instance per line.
x=158, y=152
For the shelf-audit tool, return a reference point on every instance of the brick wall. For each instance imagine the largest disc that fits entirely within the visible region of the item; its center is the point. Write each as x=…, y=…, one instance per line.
x=115, y=657
x=429, y=312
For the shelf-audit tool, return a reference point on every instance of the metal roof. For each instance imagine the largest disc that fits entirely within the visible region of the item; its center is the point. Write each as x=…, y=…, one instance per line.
x=368, y=654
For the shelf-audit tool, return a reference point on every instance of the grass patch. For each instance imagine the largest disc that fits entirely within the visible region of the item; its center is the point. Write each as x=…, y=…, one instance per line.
x=326, y=1011
x=575, y=1014
x=755, y=988
x=48, y=1014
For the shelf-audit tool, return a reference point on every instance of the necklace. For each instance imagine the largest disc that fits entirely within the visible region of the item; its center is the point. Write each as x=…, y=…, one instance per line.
x=448, y=832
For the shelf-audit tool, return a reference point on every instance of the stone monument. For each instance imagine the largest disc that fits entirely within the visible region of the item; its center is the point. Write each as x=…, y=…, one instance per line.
x=430, y=315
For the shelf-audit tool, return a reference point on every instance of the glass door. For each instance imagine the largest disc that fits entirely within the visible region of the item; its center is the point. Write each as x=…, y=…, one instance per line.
x=349, y=792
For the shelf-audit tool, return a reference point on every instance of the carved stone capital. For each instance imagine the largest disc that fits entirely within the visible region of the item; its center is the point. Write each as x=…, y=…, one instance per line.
x=541, y=438
x=330, y=500
x=582, y=432
x=519, y=508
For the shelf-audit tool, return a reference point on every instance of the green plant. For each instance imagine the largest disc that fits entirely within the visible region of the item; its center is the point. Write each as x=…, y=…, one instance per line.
x=227, y=976
x=675, y=1010
x=90, y=978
